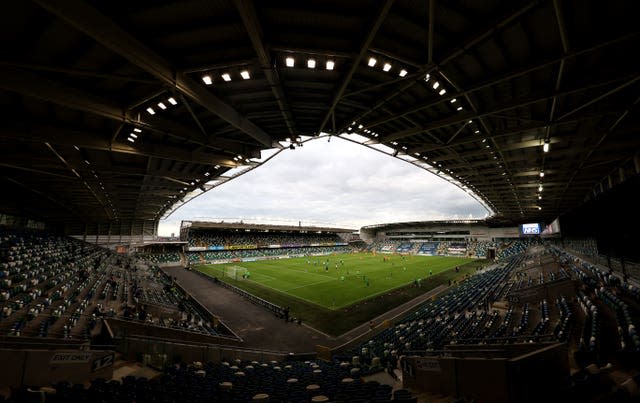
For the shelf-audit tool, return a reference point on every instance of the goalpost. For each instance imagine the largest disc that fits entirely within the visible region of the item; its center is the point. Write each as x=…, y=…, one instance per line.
x=234, y=272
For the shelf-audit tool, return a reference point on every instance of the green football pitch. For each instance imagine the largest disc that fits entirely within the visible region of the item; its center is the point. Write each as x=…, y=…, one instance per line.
x=347, y=278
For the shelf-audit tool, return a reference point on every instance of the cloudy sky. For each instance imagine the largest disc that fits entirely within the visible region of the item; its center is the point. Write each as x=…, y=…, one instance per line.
x=336, y=183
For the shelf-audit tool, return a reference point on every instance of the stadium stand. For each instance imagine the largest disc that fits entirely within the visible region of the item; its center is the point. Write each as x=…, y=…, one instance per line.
x=428, y=248
x=157, y=258
x=227, y=240
x=102, y=285
x=480, y=248
x=386, y=246
x=405, y=247
x=58, y=287
x=218, y=245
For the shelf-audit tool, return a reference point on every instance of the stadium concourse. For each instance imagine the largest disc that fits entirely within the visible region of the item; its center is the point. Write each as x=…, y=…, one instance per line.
x=117, y=113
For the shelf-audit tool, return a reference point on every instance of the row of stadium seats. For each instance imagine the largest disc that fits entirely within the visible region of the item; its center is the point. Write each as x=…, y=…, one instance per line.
x=208, y=238
x=603, y=290
x=159, y=258
x=504, y=249
x=53, y=286
x=456, y=318
x=516, y=247
x=452, y=318
x=584, y=246
x=238, y=381
x=46, y=281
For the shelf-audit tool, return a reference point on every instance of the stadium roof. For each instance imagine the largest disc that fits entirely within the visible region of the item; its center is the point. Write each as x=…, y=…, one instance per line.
x=489, y=222
x=260, y=227
x=471, y=89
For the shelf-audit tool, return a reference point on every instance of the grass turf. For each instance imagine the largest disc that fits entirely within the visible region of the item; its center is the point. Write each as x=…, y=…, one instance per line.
x=319, y=296
x=348, y=278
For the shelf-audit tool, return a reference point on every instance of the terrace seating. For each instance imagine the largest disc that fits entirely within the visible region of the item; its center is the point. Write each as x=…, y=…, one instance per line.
x=218, y=239
x=629, y=338
x=480, y=248
x=565, y=319
x=39, y=271
x=237, y=381
x=52, y=286
x=452, y=318
x=387, y=246
x=157, y=258
x=463, y=316
x=589, y=338
x=428, y=248
x=516, y=247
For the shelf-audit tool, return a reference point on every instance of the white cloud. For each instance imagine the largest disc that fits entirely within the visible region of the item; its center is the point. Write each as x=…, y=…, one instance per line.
x=338, y=183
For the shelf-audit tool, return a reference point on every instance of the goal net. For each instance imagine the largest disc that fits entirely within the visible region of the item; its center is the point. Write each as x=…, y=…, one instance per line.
x=234, y=272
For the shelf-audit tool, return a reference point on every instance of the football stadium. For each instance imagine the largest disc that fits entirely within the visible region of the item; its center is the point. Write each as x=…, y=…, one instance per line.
x=120, y=114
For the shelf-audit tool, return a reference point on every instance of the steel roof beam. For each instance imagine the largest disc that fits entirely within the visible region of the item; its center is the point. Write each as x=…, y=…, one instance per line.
x=74, y=211
x=535, y=126
x=34, y=86
x=96, y=141
x=252, y=25
x=373, y=30
x=493, y=81
x=455, y=52
x=432, y=9
x=97, y=26
x=80, y=178
x=596, y=145
x=508, y=105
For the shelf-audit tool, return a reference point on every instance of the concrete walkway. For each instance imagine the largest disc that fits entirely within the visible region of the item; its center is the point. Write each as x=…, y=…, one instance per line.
x=258, y=327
